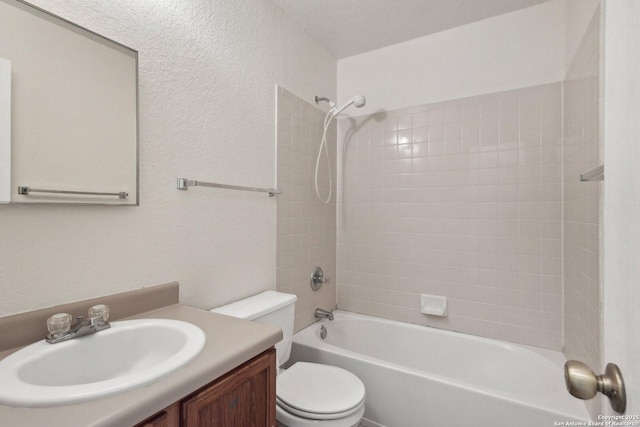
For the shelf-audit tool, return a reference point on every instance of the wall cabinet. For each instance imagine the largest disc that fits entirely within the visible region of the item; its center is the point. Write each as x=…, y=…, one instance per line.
x=244, y=397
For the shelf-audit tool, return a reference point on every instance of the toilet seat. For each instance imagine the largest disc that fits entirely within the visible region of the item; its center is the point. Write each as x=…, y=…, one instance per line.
x=319, y=392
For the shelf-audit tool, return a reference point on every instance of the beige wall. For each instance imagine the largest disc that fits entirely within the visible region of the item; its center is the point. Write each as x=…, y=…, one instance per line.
x=582, y=202
x=577, y=17
x=509, y=51
x=462, y=199
x=207, y=112
x=306, y=228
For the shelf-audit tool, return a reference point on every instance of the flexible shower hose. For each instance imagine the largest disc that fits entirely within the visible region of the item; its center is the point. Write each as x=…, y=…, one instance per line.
x=323, y=143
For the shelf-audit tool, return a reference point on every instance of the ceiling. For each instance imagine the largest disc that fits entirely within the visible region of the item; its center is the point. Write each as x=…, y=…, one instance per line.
x=350, y=27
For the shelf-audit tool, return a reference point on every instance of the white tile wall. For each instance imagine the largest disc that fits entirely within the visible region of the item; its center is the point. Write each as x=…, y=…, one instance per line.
x=582, y=204
x=306, y=228
x=460, y=198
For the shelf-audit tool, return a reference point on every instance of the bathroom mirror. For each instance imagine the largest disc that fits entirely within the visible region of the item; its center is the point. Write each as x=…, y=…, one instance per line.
x=72, y=110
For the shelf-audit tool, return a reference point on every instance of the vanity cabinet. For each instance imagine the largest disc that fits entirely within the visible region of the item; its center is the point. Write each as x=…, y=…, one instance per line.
x=244, y=397
x=170, y=417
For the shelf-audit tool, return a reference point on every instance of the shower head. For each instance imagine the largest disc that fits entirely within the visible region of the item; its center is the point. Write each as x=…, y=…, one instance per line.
x=358, y=101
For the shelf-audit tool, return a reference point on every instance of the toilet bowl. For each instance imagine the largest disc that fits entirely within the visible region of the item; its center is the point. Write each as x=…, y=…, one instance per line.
x=307, y=394
x=311, y=394
x=285, y=419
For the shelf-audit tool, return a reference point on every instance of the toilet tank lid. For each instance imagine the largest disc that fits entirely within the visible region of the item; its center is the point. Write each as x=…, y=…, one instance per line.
x=256, y=306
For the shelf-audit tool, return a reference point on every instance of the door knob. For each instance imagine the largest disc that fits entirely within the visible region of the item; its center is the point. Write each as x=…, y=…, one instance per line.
x=584, y=384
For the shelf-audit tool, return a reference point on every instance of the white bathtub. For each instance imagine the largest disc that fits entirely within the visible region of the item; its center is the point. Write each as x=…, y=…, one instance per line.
x=417, y=376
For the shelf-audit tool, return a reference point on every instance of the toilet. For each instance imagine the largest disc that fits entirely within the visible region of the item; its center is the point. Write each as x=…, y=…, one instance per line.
x=307, y=394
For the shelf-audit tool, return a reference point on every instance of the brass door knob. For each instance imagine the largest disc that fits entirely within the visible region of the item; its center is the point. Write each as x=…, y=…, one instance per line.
x=584, y=384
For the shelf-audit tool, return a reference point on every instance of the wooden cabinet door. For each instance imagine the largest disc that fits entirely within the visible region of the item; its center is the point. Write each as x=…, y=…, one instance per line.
x=245, y=397
x=170, y=417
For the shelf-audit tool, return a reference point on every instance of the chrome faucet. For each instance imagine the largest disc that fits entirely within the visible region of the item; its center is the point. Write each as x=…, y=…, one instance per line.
x=60, y=328
x=323, y=314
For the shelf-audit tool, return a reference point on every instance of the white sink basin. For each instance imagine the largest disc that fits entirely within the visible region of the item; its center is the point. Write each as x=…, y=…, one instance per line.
x=130, y=354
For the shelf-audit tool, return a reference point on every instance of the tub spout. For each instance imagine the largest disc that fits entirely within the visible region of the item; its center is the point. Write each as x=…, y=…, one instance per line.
x=323, y=314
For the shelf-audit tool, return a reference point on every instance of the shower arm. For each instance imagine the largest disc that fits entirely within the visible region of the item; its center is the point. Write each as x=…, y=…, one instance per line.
x=318, y=99
x=332, y=105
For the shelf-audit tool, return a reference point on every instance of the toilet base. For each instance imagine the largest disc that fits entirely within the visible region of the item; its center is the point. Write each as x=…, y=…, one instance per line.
x=285, y=419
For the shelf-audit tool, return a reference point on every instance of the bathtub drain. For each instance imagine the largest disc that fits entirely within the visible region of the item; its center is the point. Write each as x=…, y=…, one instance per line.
x=323, y=332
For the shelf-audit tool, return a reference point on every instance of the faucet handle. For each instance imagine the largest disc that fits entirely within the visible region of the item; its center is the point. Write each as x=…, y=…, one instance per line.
x=100, y=310
x=59, y=323
x=318, y=278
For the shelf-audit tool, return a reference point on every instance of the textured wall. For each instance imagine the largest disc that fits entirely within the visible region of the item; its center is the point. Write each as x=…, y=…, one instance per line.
x=306, y=228
x=582, y=202
x=207, y=76
x=463, y=199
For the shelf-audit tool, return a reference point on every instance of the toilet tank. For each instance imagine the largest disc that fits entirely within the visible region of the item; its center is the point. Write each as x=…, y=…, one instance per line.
x=270, y=307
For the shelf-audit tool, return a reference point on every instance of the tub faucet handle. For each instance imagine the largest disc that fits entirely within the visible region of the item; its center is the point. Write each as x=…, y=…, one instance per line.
x=318, y=279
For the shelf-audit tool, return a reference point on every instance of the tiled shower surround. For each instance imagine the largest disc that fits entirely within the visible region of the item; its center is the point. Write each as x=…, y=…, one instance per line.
x=463, y=199
x=582, y=200
x=306, y=228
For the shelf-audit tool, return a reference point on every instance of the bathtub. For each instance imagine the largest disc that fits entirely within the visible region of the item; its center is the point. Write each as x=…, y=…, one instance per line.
x=417, y=376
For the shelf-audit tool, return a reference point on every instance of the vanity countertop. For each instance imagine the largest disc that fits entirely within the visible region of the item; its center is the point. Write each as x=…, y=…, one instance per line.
x=229, y=343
